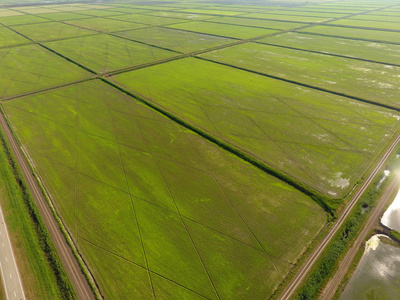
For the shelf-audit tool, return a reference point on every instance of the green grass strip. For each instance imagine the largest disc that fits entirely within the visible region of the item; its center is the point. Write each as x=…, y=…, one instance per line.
x=44, y=240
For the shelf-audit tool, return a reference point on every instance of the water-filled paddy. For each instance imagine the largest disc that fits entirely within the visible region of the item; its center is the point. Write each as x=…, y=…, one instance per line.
x=391, y=217
x=377, y=275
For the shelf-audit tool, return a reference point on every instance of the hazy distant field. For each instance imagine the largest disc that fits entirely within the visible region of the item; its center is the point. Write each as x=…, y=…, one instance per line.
x=106, y=99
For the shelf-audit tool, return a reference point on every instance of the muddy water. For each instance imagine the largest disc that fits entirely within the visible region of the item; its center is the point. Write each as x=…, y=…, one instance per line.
x=377, y=275
x=391, y=217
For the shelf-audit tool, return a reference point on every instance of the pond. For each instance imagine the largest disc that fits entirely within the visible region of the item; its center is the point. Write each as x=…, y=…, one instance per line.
x=377, y=275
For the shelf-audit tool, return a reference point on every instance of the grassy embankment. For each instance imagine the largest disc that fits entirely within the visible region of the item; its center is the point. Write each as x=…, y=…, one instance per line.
x=41, y=270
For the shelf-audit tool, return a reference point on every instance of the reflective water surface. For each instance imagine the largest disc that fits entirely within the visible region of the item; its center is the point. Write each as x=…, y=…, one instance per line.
x=377, y=275
x=391, y=217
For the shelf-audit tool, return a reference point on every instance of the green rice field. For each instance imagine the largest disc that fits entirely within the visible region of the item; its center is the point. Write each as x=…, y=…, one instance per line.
x=149, y=20
x=106, y=52
x=10, y=38
x=294, y=18
x=224, y=30
x=177, y=40
x=368, y=24
x=104, y=25
x=379, y=52
x=196, y=149
x=356, y=34
x=41, y=32
x=166, y=192
x=28, y=68
x=232, y=105
x=22, y=19
x=367, y=80
x=368, y=17
x=180, y=15
x=257, y=23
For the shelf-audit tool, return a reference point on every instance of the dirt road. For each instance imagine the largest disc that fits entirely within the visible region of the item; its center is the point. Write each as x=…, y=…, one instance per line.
x=68, y=259
x=308, y=264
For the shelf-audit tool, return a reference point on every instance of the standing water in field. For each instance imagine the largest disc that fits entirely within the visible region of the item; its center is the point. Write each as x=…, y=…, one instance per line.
x=391, y=217
x=377, y=275
x=386, y=173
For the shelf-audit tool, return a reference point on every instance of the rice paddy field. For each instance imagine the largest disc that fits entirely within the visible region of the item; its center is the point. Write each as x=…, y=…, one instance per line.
x=194, y=150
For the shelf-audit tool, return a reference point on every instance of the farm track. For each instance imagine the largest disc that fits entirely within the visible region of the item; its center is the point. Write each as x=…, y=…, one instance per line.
x=315, y=255
x=336, y=279
x=71, y=265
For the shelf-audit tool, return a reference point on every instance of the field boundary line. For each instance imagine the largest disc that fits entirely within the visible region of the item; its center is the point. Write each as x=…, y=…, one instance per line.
x=138, y=265
x=54, y=52
x=179, y=212
x=383, y=21
x=323, y=22
x=159, y=206
x=328, y=53
x=287, y=21
x=235, y=209
x=43, y=3
x=351, y=38
x=303, y=84
x=234, y=43
x=253, y=26
x=193, y=53
x=105, y=75
x=118, y=146
x=115, y=34
x=314, y=194
x=9, y=98
x=68, y=59
x=363, y=27
x=53, y=40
